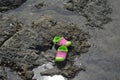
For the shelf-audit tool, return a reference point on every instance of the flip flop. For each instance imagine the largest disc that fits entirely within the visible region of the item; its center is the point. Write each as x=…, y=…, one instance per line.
x=61, y=41
x=61, y=54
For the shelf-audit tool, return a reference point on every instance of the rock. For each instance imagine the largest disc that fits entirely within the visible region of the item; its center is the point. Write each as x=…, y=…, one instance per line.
x=68, y=70
x=3, y=75
x=29, y=74
x=96, y=11
x=9, y=26
x=67, y=30
x=29, y=47
x=17, y=60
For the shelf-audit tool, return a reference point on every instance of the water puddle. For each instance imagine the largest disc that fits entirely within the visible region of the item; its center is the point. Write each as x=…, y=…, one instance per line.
x=45, y=67
x=55, y=77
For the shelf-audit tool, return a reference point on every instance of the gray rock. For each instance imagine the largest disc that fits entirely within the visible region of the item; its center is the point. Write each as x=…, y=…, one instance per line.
x=3, y=75
x=68, y=70
x=96, y=11
x=29, y=47
x=29, y=74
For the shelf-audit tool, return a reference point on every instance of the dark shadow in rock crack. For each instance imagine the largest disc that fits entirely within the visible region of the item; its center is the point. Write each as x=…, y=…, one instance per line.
x=41, y=48
x=6, y=5
x=61, y=65
x=8, y=27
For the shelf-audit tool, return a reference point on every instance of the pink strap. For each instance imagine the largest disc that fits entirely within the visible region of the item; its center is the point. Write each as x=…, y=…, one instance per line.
x=63, y=41
x=61, y=54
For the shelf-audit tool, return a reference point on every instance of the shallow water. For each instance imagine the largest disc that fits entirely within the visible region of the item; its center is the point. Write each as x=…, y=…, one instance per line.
x=103, y=59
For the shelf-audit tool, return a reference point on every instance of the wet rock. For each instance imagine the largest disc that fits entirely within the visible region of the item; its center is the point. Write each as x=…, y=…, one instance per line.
x=96, y=11
x=8, y=27
x=29, y=47
x=69, y=70
x=29, y=74
x=47, y=29
x=10, y=4
x=11, y=75
x=3, y=75
x=18, y=61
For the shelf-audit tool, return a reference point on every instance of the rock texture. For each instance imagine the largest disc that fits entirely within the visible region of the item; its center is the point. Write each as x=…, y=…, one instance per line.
x=3, y=75
x=96, y=11
x=24, y=47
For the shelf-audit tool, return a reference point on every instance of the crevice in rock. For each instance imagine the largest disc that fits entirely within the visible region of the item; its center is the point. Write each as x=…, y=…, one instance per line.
x=17, y=27
x=8, y=37
x=6, y=5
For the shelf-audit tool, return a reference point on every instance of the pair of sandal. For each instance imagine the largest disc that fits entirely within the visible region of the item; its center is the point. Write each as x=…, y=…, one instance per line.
x=62, y=50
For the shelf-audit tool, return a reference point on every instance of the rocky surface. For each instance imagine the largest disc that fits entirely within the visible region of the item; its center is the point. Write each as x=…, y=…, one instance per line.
x=8, y=27
x=96, y=11
x=3, y=75
x=25, y=44
x=67, y=69
x=24, y=47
